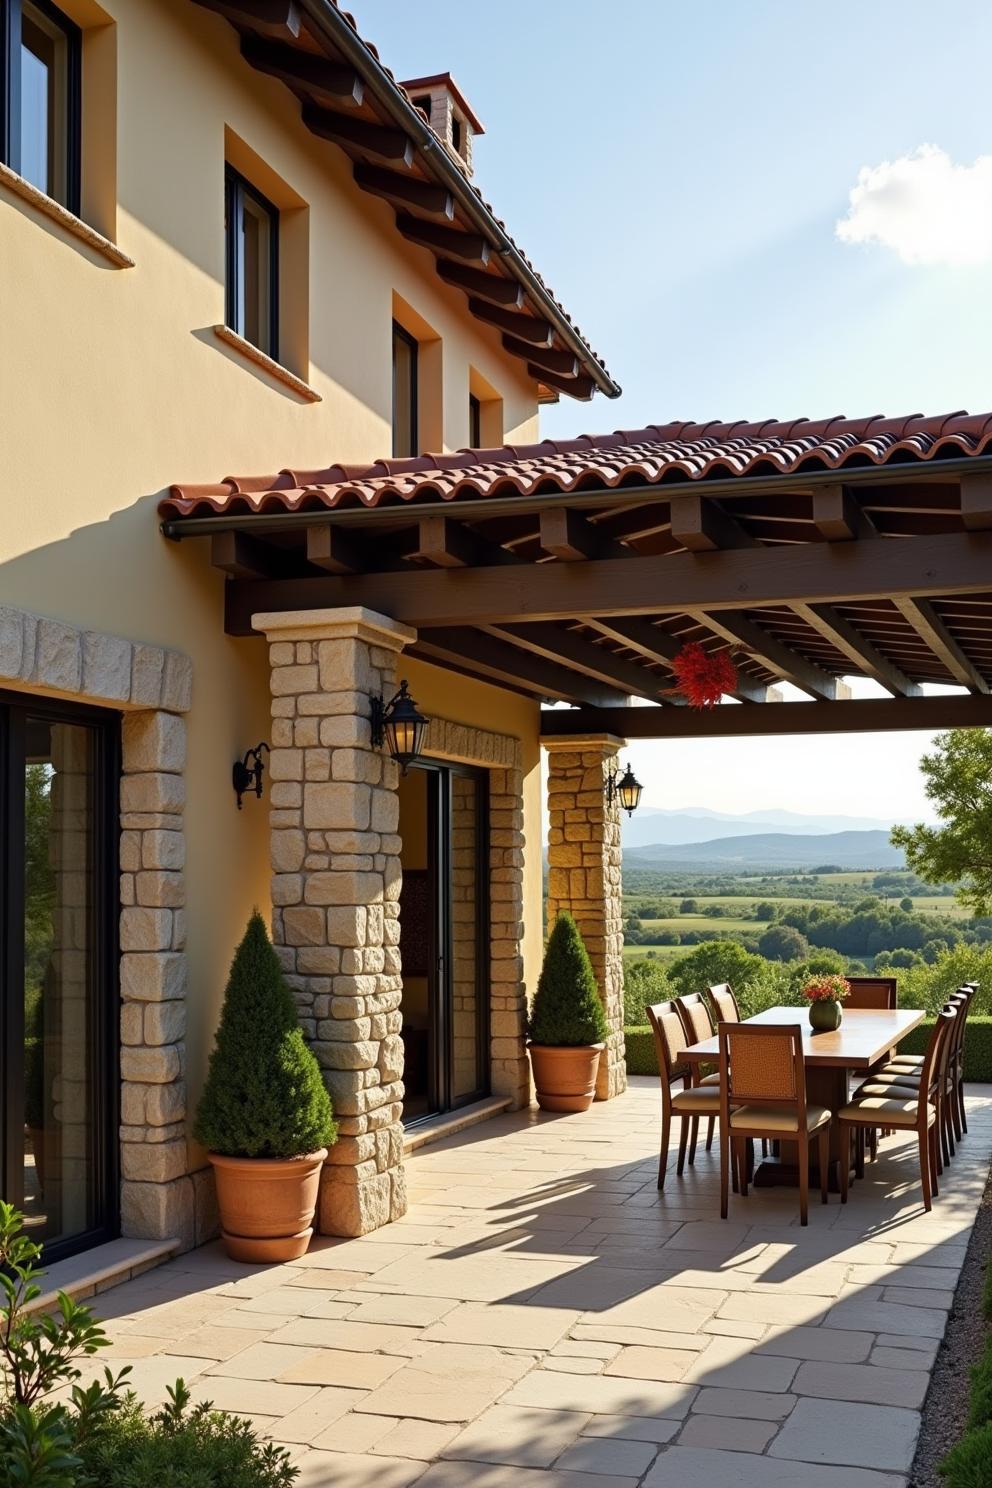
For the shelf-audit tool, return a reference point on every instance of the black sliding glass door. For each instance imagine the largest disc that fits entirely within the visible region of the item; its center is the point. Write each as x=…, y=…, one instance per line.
x=444, y=938
x=58, y=907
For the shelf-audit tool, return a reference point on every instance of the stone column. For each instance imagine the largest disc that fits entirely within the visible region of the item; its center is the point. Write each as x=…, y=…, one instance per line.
x=336, y=887
x=509, y=1066
x=584, y=862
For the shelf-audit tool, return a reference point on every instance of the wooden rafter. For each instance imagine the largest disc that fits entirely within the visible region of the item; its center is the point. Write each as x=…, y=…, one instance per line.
x=497, y=660
x=281, y=19
x=640, y=635
x=492, y=287
x=450, y=544
x=409, y=191
x=391, y=146
x=548, y=359
x=536, y=333
x=570, y=537
x=556, y=643
x=931, y=629
x=470, y=247
x=833, y=626
x=772, y=653
x=328, y=83
x=838, y=517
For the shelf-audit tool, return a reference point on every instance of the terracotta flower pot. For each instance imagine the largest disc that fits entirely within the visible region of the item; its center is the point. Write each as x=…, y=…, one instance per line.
x=825, y=1017
x=267, y=1204
x=565, y=1078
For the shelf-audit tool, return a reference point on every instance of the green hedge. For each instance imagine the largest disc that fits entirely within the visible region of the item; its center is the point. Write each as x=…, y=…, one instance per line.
x=977, y=1047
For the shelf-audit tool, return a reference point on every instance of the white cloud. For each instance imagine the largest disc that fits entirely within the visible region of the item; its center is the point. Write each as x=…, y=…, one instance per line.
x=925, y=208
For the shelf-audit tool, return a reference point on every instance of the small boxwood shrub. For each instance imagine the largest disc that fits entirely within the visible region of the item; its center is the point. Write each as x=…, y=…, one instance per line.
x=567, y=1012
x=977, y=1052
x=264, y=1096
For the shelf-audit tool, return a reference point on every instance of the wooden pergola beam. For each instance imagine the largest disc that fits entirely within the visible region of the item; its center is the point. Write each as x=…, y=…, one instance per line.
x=499, y=661
x=934, y=633
x=701, y=527
x=838, y=517
x=733, y=721
x=571, y=538
x=821, y=573
x=657, y=645
x=244, y=557
x=976, y=501
x=329, y=83
x=557, y=644
x=846, y=638
x=450, y=544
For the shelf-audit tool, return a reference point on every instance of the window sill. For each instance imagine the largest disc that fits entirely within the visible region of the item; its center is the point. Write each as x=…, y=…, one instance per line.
x=65, y=219
x=268, y=364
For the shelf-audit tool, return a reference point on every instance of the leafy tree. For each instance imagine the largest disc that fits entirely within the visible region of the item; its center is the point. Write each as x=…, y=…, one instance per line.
x=712, y=962
x=567, y=1011
x=764, y=911
x=906, y=904
x=644, y=982
x=689, y=906
x=958, y=778
x=264, y=1096
x=782, y=943
x=901, y=957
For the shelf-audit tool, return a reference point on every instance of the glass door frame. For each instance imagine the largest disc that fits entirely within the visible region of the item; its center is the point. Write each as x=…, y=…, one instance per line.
x=104, y=965
x=440, y=989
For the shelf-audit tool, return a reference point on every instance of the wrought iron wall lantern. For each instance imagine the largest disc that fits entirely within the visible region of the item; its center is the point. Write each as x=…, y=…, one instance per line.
x=399, y=725
x=625, y=788
x=246, y=774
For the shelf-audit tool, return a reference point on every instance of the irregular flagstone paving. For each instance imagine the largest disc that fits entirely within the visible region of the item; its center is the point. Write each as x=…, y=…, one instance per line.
x=544, y=1318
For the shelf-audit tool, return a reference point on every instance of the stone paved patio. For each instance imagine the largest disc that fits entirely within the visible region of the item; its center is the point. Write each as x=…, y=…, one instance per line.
x=543, y=1318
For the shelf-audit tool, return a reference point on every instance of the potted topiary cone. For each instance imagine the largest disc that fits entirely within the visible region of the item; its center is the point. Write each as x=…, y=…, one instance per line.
x=567, y=1027
x=265, y=1116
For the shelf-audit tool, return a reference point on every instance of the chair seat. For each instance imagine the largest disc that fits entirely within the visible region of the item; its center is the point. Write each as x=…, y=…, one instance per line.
x=701, y=1100
x=711, y=1080
x=778, y=1118
x=908, y=1080
x=881, y=1110
x=888, y=1090
x=906, y=1061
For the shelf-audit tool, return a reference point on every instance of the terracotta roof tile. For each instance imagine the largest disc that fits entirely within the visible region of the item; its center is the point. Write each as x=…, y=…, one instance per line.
x=650, y=456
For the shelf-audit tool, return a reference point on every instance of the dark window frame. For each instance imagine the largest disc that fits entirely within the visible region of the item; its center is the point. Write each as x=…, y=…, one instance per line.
x=104, y=1092
x=10, y=92
x=236, y=188
x=474, y=421
x=413, y=414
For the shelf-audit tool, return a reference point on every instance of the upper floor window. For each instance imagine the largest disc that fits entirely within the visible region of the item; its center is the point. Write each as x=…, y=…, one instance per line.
x=405, y=420
x=40, y=125
x=252, y=228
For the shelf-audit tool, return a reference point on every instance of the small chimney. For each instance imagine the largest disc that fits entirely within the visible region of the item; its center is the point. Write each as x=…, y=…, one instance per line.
x=449, y=114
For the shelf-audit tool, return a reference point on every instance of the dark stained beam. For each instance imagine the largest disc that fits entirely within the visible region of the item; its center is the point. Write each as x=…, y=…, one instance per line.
x=839, y=631
x=658, y=646
x=702, y=527
x=931, y=629
x=377, y=140
x=864, y=715
x=561, y=363
x=580, y=388
x=499, y=661
x=327, y=83
x=335, y=551
x=244, y=557
x=277, y=18
x=838, y=517
x=492, y=287
x=569, y=536
x=976, y=502
x=449, y=544
x=558, y=644
x=524, y=327
x=409, y=191
x=817, y=573
x=772, y=653
x=472, y=247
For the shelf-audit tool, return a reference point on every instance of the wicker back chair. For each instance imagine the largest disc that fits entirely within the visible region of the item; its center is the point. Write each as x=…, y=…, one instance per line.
x=763, y=1076
x=686, y=1101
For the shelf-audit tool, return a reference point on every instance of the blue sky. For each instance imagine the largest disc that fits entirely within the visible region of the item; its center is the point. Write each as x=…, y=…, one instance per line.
x=677, y=173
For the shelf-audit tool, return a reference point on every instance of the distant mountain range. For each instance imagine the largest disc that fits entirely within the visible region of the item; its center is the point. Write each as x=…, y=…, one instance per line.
x=757, y=851
x=695, y=824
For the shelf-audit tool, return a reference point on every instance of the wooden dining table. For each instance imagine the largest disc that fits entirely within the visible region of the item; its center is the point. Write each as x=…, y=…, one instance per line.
x=865, y=1036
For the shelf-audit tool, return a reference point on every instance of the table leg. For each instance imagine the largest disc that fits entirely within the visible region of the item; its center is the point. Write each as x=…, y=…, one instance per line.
x=824, y=1087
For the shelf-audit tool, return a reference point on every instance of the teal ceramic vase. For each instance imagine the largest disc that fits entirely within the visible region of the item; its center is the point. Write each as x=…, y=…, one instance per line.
x=825, y=1017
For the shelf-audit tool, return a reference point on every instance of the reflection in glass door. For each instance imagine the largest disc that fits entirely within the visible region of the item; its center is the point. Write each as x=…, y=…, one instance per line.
x=57, y=900
x=444, y=938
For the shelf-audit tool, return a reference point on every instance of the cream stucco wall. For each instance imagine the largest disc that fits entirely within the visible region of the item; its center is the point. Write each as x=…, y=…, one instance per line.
x=113, y=385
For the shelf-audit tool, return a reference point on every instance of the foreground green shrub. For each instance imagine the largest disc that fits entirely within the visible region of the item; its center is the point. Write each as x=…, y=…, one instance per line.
x=264, y=1096
x=183, y=1448
x=644, y=983
x=567, y=1012
x=980, y=1410
x=100, y=1437
x=969, y=1464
